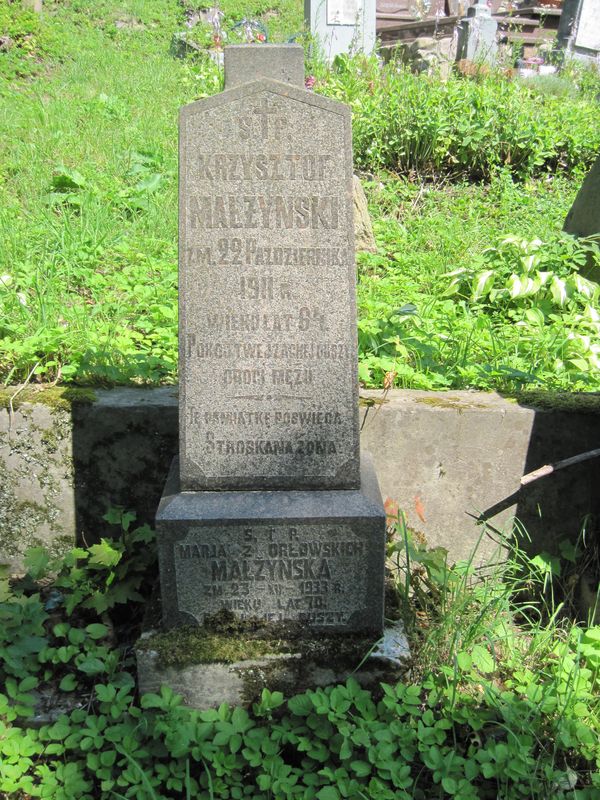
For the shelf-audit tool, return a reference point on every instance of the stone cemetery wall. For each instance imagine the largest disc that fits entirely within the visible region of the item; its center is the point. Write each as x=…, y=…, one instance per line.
x=67, y=456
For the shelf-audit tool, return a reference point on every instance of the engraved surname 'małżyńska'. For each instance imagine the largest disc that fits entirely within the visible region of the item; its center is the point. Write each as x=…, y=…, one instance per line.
x=268, y=329
x=272, y=573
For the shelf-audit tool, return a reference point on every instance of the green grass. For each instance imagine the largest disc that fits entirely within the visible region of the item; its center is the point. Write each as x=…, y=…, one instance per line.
x=88, y=209
x=412, y=324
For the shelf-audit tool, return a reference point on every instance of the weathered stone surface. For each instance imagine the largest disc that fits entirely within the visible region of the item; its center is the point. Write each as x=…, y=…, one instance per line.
x=309, y=557
x=267, y=308
x=364, y=240
x=281, y=62
x=583, y=218
x=588, y=27
x=207, y=685
x=448, y=456
x=477, y=35
x=36, y=482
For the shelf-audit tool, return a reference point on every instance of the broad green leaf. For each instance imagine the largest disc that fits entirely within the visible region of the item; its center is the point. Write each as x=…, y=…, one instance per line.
x=482, y=659
x=91, y=665
x=361, y=768
x=37, y=560
x=104, y=554
x=547, y=564
x=464, y=660
x=68, y=180
x=97, y=630
x=483, y=283
x=328, y=793
x=558, y=290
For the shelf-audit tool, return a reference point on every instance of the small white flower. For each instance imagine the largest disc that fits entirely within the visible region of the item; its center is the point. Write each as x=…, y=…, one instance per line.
x=22, y=298
x=5, y=280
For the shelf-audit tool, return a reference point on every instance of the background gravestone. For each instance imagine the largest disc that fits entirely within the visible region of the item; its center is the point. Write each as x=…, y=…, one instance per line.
x=477, y=35
x=269, y=514
x=583, y=218
x=588, y=27
x=579, y=29
x=341, y=26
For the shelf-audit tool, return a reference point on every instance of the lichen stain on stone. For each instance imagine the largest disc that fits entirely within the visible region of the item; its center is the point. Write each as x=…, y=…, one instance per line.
x=20, y=520
x=36, y=453
x=455, y=403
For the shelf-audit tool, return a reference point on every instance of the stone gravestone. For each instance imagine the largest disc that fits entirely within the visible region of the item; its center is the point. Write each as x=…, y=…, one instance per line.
x=477, y=35
x=341, y=26
x=579, y=29
x=583, y=218
x=268, y=515
x=587, y=39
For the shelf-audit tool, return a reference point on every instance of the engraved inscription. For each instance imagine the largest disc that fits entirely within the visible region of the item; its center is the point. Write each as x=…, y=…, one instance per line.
x=263, y=211
x=267, y=286
x=308, y=573
x=239, y=252
x=264, y=166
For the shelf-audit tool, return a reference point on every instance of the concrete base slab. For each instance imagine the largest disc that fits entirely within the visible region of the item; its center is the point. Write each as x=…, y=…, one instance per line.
x=208, y=684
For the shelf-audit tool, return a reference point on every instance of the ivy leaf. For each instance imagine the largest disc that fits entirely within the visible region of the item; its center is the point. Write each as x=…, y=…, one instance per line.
x=104, y=554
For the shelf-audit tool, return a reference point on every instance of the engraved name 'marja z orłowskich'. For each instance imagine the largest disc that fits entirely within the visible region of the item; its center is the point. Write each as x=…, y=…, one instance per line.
x=274, y=575
x=264, y=223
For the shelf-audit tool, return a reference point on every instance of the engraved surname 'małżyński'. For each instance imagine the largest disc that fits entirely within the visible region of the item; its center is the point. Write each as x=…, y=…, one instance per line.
x=268, y=339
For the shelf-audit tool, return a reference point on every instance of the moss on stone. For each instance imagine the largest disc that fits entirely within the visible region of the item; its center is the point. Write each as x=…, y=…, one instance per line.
x=225, y=640
x=55, y=397
x=191, y=645
x=456, y=403
x=574, y=402
x=50, y=439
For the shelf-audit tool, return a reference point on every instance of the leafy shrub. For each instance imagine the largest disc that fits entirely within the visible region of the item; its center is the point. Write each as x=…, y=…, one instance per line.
x=521, y=315
x=460, y=127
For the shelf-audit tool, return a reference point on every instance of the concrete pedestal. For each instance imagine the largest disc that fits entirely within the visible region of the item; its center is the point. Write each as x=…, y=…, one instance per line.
x=268, y=589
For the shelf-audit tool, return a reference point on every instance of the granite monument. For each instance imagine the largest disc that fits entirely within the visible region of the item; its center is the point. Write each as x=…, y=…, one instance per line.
x=269, y=514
